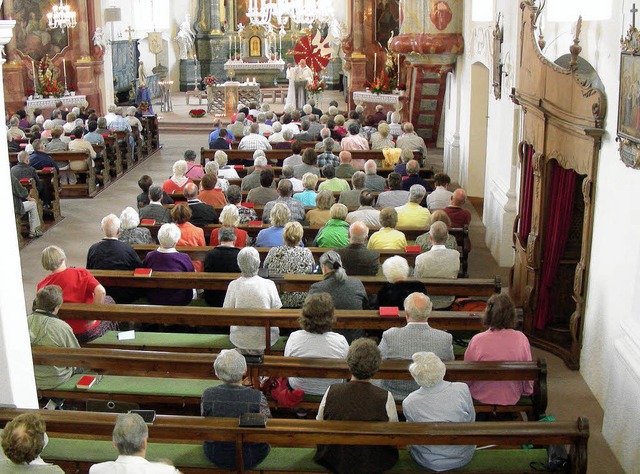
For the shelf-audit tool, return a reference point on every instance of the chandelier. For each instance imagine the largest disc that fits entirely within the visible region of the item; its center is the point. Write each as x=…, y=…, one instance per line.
x=278, y=12
x=62, y=16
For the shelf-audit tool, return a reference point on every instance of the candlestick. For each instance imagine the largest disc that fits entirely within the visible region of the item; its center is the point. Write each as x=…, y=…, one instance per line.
x=64, y=68
x=375, y=64
x=33, y=69
x=280, y=47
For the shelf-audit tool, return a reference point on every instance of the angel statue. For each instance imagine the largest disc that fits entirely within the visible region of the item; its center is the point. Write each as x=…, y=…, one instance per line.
x=99, y=43
x=186, y=37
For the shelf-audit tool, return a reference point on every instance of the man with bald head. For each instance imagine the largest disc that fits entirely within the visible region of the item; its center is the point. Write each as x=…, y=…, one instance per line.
x=285, y=190
x=357, y=259
x=458, y=215
x=202, y=213
x=345, y=169
x=416, y=336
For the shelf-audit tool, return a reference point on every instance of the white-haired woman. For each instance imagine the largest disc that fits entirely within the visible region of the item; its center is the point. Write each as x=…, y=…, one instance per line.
x=438, y=401
x=78, y=286
x=229, y=217
x=291, y=258
x=213, y=168
x=230, y=400
x=167, y=259
x=347, y=292
x=178, y=180
x=252, y=292
x=129, y=230
x=399, y=285
x=308, y=196
x=224, y=170
x=382, y=139
x=234, y=196
x=132, y=119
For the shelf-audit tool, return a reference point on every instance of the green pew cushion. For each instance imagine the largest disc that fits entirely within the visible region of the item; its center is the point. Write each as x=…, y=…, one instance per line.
x=168, y=339
x=143, y=386
x=290, y=459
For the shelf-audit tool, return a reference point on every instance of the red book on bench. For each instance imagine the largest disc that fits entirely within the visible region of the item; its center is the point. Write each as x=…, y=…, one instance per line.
x=250, y=205
x=86, y=382
x=255, y=224
x=147, y=222
x=142, y=272
x=238, y=167
x=47, y=169
x=24, y=180
x=412, y=249
x=389, y=312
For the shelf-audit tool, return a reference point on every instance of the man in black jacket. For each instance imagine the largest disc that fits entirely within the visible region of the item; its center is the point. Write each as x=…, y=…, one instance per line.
x=202, y=213
x=357, y=259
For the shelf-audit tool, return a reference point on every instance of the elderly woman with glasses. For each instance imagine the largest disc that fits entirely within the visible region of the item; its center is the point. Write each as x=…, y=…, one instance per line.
x=230, y=400
x=252, y=292
x=438, y=401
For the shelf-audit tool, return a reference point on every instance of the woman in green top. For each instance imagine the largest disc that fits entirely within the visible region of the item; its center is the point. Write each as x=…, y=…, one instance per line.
x=335, y=233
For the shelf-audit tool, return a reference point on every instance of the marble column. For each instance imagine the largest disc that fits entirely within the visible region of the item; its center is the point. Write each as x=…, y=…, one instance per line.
x=215, y=18
x=357, y=27
x=17, y=382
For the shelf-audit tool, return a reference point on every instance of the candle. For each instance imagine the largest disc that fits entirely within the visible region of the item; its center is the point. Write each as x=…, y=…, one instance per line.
x=375, y=64
x=235, y=49
x=33, y=68
x=280, y=47
x=254, y=80
x=229, y=47
x=398, y=81
x=64, y=68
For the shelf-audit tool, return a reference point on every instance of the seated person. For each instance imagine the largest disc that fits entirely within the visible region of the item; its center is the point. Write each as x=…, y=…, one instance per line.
x=459, y=216
x=23, y=439
x=401, y=343
x=321, y=214
x=46, y=329
x=365, y=213
x=331, y=183
x=424, y=240
x=194, y=171
x=272, y=236
x=438, y=401
x=335, y=233
x=499, y=342
x=178, y=180
x=316, y=339
x=253, y=292
x=130, y=230
x=388, y=237
x=145, y=183
x=130, y=437
x=308, y=196
x=220, y=143
x=230, y=218
x=373, y=404
x=398, y=286
x=357, y=258
x=154, y=209
x=221, y=259
x=230, y=400
x=265, y=192
x=412, y=214
x=168, y=259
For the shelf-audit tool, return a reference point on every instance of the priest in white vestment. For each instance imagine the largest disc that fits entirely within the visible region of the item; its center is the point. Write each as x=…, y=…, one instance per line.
x=297, y=94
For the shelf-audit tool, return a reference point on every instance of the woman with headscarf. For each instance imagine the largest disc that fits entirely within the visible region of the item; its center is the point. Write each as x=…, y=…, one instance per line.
x=178, y=180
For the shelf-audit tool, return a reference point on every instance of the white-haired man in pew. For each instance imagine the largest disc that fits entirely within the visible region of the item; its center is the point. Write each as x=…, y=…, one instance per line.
x=130, y=437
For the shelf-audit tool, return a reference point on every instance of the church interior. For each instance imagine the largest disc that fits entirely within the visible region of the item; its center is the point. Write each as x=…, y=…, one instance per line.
x=515, y=101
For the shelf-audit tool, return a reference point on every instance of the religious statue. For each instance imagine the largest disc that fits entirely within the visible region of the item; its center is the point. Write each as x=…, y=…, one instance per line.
x=142, y=77
x=186, y=37
x=299, y=76
x=99, y=43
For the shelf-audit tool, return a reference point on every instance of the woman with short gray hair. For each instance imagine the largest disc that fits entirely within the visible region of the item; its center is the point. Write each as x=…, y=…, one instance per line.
x=234, y=196
x=398, y=286
x=272, y=236
x=167, y=259
x=251, y=291
x=438, y=401
x=224, y=170
x=308, y=196
x=321, y=214
x=230, y=219
x=231, y=400
x=129, y=230
x=347, y=292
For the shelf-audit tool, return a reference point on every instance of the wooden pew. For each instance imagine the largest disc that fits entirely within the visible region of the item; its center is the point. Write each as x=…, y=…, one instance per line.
x=245, y=157
x=151, y=131
x=179, y=438
x=133, y=363
x=89, y=188
x=220, y=281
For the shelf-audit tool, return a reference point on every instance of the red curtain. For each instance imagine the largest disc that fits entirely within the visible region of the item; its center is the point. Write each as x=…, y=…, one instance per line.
x=526, y=200
x=556, y=232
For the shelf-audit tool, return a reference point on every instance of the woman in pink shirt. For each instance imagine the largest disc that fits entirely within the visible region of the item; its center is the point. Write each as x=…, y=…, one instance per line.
x=499, y=343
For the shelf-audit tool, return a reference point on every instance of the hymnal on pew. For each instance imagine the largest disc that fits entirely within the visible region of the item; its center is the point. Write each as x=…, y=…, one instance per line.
x=87, y=382
x=147, y=221
x=142, y=272
x=255, y=224
x=412, y=249
x=389, y=312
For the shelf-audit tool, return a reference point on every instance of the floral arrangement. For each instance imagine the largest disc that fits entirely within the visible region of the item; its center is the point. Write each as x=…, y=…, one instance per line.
x=402, y=86
x=209, y=80
x=197, y=113
x=381, y=85
x=29, y=92
x=144, y=107
x=72, y=88
x=316, y=86
x=48, y=84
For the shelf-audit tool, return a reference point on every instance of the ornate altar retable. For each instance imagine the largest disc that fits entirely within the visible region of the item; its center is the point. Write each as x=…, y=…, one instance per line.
x=265, y=73
x=50, y=103
x=223, y=99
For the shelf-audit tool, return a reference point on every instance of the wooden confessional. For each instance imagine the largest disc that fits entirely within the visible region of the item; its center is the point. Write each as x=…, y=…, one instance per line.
x=563, y=107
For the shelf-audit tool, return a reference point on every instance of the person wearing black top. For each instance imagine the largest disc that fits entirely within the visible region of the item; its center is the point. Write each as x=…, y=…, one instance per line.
x=221, y=259
x=221, y=142
x=398, y=286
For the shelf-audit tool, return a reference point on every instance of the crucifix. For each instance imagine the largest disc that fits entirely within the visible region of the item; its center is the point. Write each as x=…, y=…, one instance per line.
x=129, y=31
x=634, y=10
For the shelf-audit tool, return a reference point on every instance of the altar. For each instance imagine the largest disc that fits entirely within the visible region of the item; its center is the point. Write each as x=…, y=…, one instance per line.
x=223, y=99
x=369, y=100
x=49, y=103
x=264, y=73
